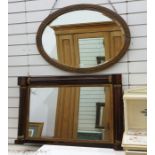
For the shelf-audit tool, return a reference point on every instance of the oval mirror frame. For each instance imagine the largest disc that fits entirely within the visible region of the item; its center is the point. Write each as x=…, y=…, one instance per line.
x=114, y=16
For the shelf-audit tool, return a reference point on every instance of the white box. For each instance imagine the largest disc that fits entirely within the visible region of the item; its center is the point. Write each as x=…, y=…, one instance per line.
x=135, y=109
x=135, y=112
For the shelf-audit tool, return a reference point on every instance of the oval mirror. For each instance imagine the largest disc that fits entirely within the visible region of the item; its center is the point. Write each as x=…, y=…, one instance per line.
x=83, y=38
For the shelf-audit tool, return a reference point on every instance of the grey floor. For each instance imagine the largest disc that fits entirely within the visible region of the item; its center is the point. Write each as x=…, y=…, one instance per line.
x=60, y=150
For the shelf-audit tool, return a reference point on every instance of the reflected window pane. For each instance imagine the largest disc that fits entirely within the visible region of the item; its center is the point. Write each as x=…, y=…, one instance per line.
x=89, y=96
x=90, y=49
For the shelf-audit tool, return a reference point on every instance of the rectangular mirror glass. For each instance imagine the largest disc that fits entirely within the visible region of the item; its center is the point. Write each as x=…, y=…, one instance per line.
x=71, y=112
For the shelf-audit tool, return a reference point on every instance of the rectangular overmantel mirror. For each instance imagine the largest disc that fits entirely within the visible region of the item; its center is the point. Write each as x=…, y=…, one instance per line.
x=71, y=110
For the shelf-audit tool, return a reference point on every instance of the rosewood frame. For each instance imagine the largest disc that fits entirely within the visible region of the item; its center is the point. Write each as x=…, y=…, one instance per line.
x=114, y=80
x=114, y=16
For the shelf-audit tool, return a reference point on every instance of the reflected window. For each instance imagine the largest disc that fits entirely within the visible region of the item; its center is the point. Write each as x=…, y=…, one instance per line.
x=89, y=49
x=87, y=113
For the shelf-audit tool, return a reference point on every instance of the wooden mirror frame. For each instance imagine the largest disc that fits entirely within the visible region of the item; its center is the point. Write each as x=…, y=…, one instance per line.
x=114, y=16
x=114, y=81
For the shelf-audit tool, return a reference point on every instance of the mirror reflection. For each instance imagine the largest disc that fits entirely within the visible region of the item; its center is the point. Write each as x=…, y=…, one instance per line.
x=81, y=113
x=88, y=57
x=77, y=38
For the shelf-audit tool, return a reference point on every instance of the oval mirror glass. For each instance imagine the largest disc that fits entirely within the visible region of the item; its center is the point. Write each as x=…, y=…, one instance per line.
x=83, y=39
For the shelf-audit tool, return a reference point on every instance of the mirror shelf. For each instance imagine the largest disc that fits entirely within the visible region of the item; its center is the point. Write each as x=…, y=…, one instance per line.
x=71, y=110
x=73, y=37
